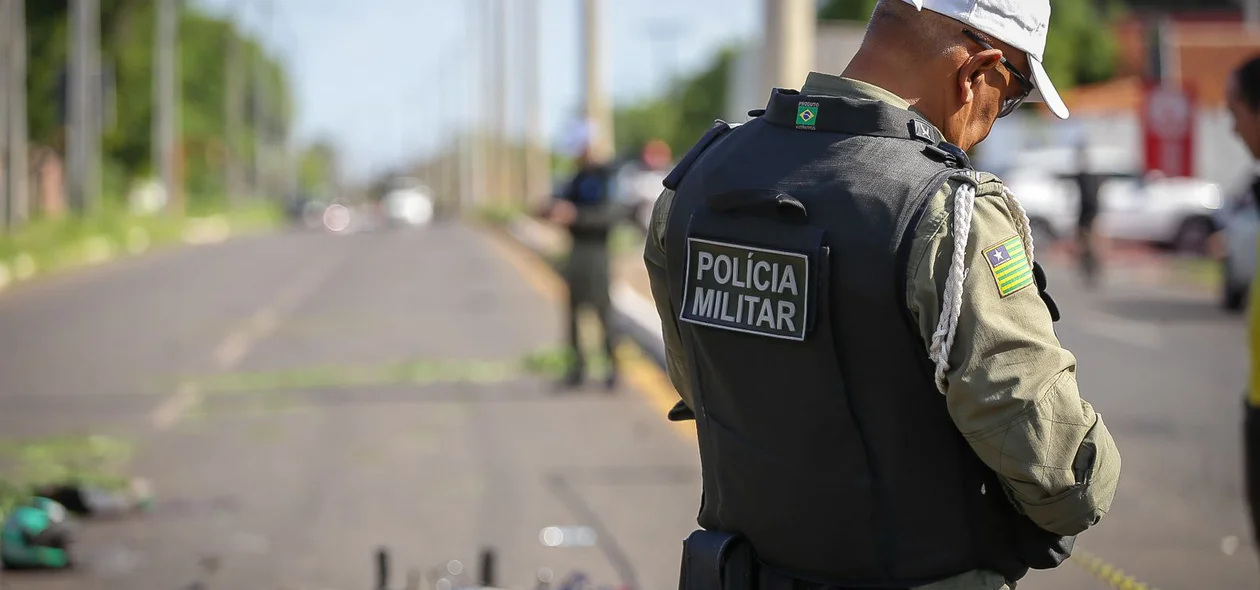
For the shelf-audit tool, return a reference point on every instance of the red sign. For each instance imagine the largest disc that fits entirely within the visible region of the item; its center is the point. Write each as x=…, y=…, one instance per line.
x=1168, y=119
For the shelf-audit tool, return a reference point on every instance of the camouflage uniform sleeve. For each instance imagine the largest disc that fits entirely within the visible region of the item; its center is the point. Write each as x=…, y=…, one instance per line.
x=654, y=259
x=1011, y=386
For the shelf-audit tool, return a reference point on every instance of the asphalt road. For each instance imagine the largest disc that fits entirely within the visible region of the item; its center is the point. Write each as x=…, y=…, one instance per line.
x=293, y=487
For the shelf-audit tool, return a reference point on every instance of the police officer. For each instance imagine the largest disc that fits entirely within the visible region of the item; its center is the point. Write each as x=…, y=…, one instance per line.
x=1244, y=103
x=856, y=321
x=587, y=209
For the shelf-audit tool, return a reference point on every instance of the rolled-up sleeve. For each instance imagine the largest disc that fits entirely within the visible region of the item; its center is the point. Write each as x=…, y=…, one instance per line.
x=1011, y=386
x=654, y=259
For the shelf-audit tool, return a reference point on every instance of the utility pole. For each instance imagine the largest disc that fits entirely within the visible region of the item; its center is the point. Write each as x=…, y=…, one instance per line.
x=6, y=90
x=473, y=171
x=598, y=111
x=84, y=117
x=535, y=160
x=260, y=107
x=790, y=26
x=503, y=160
x=235, y=117
x=489, y=172
x=18, y=169
x=166, y=115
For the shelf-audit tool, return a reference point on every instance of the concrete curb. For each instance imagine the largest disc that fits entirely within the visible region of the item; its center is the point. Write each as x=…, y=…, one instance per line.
x=98, y=249
x=636, y=314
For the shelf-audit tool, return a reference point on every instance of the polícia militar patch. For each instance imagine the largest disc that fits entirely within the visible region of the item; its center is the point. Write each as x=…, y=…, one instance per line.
x=1009, y=264
x=746, y=289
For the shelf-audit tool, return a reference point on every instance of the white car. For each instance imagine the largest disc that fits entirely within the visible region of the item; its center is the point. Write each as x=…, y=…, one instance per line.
x=1239, y=222
x=408, y=206
x=1177, y=212
x=638, y=189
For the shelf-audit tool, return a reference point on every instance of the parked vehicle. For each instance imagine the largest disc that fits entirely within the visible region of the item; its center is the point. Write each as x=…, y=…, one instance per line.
x=1179, y=213
x=408, y=203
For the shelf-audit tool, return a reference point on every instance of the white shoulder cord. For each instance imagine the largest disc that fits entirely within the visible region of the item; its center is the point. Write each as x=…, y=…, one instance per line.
x=964, y=208
x=1021, y=219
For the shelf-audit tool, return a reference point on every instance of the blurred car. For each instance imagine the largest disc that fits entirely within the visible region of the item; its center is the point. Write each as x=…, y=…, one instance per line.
x=1238, y=262
x=637, y=187
x=1173, y=212
x=408, y=203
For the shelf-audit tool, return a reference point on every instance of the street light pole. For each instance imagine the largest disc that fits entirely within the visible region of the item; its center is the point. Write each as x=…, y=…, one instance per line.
x=18, y=142
x=235, y=89
x=83, y=124
x=597, y=109
x=6, y=90
x=790, y=27
x=166, y=115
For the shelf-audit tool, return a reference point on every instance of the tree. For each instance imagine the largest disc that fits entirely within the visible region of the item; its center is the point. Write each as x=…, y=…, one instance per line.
x=851, y=10
x=683, y=115
x=127, y=40
x=317, y=170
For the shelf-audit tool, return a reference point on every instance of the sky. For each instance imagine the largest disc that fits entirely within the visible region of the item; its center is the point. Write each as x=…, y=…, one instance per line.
x=389, y=80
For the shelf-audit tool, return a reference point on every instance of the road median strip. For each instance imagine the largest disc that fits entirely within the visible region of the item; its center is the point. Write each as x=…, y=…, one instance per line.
x=45, y=250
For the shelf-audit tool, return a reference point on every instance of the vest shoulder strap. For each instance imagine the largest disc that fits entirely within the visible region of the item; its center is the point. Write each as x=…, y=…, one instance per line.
x=676, y=175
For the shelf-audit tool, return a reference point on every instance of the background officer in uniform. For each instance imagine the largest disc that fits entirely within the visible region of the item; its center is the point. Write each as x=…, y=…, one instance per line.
x=587, y=209
x=1244, y=103
x=929, y=433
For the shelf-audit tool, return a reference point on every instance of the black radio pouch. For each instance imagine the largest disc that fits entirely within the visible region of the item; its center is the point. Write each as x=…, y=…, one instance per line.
x=717, y=561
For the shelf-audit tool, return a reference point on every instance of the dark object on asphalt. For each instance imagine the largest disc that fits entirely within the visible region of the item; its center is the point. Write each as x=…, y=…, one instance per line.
x=38, y=535
x=97, y=502
x=486, y=576
x=382, y=573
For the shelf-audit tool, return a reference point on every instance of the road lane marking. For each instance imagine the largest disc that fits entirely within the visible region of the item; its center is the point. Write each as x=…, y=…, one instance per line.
x=1133, y=333
x=232, y=350
x=169, y=412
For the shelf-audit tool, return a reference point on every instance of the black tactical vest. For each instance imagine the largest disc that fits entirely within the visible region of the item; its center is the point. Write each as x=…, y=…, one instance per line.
x=823, y=438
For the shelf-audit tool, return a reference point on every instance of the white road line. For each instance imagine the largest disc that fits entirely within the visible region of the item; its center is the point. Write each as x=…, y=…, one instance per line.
x=169, y=413
x=1133, y=333
x=241, y=340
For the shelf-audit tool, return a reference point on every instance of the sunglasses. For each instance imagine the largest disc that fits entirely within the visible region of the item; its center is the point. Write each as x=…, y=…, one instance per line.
x=1010, y=104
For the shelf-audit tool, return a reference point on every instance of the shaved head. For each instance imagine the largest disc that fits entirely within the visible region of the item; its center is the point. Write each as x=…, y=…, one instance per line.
x=901, y=26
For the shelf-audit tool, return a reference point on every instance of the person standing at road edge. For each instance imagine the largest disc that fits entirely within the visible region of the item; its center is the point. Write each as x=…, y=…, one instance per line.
x=1243, y=96
x=587, y=209
x=856, y=321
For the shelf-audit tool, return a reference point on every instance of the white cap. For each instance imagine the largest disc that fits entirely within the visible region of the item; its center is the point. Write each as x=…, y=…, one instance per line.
x=1022, y=24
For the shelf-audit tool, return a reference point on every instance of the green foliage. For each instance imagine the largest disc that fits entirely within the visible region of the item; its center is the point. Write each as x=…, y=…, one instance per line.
x=1081, y=48
x=25, y=466
x=317, y=168
x=681, y=118
x=127, y=51
x=855, y=10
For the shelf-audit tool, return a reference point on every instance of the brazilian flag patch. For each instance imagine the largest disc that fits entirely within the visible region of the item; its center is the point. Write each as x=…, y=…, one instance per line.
x=807, y=115
x=1009, y=265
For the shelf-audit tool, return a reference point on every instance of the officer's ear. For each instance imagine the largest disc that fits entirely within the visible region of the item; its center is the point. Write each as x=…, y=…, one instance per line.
x=973, y=71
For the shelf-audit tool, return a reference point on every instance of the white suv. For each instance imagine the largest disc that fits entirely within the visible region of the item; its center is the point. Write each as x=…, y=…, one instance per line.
x=1177, y=212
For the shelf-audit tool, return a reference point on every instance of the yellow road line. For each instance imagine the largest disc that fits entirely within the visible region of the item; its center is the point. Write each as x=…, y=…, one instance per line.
x=651, y=381
x=1108, y=573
